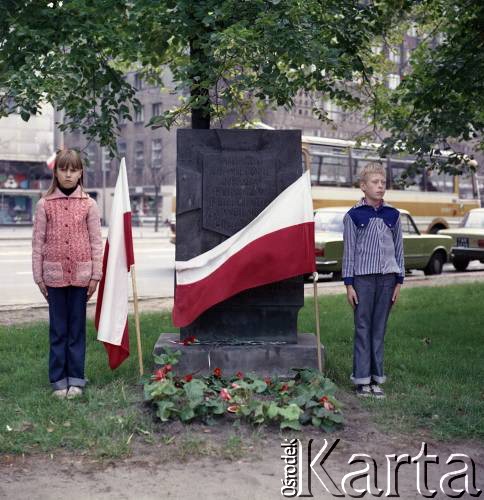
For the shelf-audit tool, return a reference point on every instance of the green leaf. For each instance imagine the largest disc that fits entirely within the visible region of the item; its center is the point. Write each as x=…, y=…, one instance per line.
x=164, y=410
x=169, y=357
x=215, y=406
x=316, y=421
x=337, y=418
x=258, y=386
x=272, y=411
x=194, y=390
x=291, y=412
x=291, y=424
x=187, y=414
x=163, y=388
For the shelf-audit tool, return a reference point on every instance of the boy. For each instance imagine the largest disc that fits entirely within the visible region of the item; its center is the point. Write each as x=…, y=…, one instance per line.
x=373, y=272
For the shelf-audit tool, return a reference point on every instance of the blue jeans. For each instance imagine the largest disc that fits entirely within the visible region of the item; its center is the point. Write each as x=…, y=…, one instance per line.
x=374, y=293
x=67, y=335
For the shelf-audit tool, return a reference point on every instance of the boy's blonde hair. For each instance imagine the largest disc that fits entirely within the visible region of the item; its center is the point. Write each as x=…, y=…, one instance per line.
x=372, y=168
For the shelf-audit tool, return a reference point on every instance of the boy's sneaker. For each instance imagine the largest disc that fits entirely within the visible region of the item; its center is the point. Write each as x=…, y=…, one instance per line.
x=74, y=392
x=363, y=391
x=59, y=393
x=377, y=391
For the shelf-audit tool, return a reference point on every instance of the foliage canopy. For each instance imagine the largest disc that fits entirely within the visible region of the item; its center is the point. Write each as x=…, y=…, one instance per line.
x=73, y=53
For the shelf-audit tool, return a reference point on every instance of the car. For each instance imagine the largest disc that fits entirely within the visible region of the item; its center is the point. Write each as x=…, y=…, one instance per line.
x=467, y=239
x=427, y=252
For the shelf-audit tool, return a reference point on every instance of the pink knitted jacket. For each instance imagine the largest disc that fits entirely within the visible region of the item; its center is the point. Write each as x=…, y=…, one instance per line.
x=66, y=240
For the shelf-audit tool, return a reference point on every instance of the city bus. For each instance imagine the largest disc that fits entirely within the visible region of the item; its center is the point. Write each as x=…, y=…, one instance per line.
x=436, y=201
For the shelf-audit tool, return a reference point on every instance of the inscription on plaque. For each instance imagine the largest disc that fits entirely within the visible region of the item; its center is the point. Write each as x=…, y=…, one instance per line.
x=225, y=178
x=237, y=186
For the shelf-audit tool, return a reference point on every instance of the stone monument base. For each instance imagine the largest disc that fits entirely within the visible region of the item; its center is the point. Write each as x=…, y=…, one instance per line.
x=266, y=359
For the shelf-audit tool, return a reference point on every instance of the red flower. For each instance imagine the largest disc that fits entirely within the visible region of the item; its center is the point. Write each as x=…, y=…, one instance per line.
x=225, y=394
x=189, y=340
x=239, y=375
x=217, y=372
x=234, y=385
x=159, y=374
x=326, y=403
x=284, y=388
x=268, y=381
x=188, y=378
x=167, y=368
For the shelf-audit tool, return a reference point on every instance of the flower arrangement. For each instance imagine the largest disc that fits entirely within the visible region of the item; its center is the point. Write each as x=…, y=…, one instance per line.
x=308, y=398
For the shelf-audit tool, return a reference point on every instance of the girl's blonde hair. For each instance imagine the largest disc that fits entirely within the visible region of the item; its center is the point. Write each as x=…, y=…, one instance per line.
x=66, y=158
x=372, y=168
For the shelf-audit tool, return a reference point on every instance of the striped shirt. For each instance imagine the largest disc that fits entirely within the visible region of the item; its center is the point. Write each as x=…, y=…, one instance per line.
x=373, y=241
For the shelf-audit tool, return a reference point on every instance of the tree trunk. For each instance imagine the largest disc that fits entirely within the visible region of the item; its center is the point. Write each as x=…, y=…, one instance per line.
x=200, y=117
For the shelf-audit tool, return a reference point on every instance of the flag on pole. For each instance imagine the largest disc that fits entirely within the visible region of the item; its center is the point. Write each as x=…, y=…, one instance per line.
x=111, y=319
x=278, y=244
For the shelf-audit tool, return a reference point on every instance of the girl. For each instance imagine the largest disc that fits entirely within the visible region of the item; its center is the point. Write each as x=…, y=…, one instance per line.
x=67, y=266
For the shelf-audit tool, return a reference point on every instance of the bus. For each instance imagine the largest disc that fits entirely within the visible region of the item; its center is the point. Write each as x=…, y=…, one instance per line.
x=436, y=201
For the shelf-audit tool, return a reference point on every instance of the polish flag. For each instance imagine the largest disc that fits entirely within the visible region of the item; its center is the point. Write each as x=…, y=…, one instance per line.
x=111, y=319
x=278, y=244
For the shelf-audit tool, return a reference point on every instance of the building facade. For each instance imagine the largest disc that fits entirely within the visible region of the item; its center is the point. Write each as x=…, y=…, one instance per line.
x=150, y=155
x=343, y=124
x=24, y=149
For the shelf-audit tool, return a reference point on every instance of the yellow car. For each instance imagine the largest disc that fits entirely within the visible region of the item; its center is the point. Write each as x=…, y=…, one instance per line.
x=428, y=252
x=467, y=239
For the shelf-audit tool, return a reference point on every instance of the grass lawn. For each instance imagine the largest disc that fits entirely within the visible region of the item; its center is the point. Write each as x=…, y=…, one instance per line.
x=433, y=360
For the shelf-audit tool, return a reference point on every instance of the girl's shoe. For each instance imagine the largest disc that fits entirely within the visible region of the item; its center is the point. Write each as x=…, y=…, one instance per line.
x=59, y=393
x=377, y=391
x=363, y=391
x=74, y=392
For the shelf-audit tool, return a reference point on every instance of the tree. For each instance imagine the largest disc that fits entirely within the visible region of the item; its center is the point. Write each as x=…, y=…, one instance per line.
x=72, y=53
x=441, y=101
x=159, y=175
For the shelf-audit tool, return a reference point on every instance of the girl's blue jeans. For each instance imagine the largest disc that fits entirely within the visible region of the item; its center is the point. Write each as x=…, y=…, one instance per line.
x=67, y=335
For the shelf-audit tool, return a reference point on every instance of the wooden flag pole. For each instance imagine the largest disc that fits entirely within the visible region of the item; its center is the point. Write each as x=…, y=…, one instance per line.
x=136, y=320
x=316, y=313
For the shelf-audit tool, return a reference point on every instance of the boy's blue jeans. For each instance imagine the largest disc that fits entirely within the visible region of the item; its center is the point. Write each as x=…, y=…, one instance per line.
x=67, y=334
x=374, y=293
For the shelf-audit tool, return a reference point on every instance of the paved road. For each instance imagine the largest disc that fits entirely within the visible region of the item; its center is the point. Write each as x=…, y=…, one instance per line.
x=155, y=258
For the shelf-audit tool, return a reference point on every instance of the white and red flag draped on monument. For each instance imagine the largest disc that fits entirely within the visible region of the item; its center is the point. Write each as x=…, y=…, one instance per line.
x=111, y=319
x=278, y=244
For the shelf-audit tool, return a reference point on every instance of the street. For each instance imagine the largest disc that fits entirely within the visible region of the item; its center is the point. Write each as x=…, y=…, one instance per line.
x=155, y=258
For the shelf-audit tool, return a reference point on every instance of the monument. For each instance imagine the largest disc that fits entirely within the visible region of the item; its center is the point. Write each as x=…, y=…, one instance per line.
x=225, y=178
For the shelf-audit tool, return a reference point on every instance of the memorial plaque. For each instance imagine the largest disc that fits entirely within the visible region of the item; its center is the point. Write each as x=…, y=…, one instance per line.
x=225, y=178
x=237, y=186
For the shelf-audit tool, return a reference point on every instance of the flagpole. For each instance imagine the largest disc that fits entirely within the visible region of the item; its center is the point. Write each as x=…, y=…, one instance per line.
x=136, y=320
x=316, y=313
